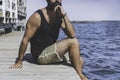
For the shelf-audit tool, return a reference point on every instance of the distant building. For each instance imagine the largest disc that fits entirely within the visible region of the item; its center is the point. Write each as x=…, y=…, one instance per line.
x=12, y=14
x=21, y=15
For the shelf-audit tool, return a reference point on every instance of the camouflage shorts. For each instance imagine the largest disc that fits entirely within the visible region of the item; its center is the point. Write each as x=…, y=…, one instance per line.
x=49, y=55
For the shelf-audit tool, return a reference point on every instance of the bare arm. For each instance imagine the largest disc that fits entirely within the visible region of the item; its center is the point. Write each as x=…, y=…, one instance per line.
x=31, y=27
x=66, y=24
x=68, y=27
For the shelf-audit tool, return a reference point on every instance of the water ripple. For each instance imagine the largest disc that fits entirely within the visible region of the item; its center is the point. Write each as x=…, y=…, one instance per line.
x=100, y=48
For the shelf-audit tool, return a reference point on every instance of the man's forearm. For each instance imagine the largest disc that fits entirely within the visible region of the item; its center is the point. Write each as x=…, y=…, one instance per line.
x=69, y=29
x=22, y=50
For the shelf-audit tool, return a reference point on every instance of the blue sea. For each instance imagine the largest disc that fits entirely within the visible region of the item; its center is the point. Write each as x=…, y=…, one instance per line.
x=100, y=48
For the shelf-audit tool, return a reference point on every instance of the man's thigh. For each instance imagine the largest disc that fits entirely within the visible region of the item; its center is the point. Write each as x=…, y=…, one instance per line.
x=63, y=46
x=49, y=55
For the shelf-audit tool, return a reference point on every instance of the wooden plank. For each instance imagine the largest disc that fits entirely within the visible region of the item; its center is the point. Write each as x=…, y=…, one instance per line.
x=40, y=78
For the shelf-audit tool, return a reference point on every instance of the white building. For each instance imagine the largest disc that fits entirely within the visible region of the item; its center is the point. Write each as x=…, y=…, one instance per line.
x=12, y=12
x=21, y=15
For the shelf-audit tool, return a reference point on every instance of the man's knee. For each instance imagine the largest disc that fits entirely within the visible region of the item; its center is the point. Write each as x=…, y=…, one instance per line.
x=75, y=41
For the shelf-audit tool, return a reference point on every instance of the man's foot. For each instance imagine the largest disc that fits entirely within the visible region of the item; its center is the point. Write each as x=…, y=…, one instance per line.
x=83, y=77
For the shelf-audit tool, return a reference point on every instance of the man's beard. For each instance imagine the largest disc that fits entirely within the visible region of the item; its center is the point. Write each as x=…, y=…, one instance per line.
x=53, y=5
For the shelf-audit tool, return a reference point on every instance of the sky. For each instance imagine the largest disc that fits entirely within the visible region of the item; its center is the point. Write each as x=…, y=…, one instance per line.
x=82, y=10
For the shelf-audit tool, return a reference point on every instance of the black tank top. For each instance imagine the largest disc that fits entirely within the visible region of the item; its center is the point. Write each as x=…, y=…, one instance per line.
x=44, y=36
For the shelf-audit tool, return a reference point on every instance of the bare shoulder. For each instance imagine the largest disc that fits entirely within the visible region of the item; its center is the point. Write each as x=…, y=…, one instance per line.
x=34, y=20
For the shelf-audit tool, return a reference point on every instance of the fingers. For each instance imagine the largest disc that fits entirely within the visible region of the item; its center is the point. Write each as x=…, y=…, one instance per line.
x=58, y=8
x=16, y=66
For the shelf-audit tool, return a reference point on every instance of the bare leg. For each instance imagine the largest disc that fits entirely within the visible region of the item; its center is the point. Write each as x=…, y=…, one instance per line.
x=71, y=45
x=83, y=77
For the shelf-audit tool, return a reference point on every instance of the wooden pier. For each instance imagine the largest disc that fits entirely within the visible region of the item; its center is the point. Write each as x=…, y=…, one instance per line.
x=9, y=45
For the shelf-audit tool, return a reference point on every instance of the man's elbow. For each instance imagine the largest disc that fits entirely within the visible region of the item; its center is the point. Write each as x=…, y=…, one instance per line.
x=73, y=35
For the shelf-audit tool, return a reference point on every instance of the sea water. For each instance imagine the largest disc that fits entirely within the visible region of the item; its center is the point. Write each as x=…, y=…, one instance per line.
x=100, y=48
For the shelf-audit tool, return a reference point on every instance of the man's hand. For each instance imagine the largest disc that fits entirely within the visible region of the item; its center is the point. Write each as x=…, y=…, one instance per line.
x=17, y=65
x=59, y=9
